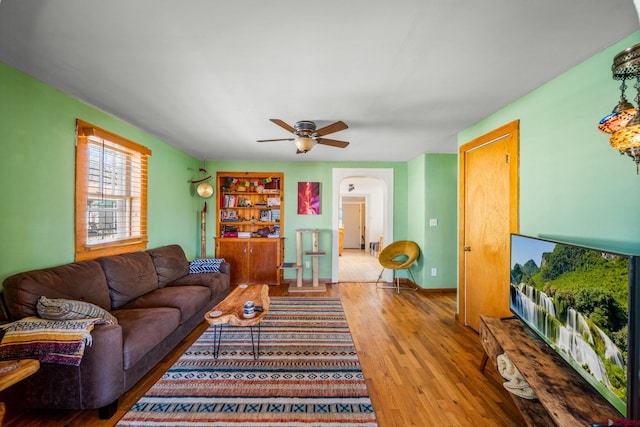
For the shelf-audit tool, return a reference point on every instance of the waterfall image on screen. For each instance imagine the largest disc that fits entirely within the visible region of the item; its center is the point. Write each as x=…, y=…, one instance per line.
x=576, y=299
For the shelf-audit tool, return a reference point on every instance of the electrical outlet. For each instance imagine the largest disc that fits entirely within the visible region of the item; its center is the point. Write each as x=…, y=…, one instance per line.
x=307, y=264
x=434, y=272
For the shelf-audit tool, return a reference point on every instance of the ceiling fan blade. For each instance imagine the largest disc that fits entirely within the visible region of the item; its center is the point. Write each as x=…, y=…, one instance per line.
x=271, y=140
x=335, y=127
x=283, y=125
x=332, y=142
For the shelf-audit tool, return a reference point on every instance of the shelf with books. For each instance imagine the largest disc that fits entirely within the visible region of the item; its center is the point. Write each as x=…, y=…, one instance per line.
x=250, y=201
x=250, y=208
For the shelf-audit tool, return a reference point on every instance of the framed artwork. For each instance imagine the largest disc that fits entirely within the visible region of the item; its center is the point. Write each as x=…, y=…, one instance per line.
x=308, y=198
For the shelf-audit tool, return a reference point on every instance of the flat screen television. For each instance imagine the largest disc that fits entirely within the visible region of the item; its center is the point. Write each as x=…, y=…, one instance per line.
x=583, y=302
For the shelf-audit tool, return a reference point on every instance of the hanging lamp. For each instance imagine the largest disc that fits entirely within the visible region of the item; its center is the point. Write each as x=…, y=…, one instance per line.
x=624, y=121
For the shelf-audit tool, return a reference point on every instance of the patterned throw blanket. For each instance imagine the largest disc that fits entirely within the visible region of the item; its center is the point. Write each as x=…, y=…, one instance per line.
x=49, y=341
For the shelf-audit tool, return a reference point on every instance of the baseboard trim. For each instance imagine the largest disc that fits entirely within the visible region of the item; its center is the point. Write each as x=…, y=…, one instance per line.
x=438, y=290
x=403, y=282
x=307, y=287
x=305, y=282
x=420, y=289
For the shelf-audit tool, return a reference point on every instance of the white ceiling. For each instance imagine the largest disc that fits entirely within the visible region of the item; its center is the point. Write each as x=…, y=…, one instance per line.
x=207, y=75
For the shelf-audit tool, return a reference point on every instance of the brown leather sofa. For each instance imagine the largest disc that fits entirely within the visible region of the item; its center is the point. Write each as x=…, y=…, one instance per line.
x=157, y=304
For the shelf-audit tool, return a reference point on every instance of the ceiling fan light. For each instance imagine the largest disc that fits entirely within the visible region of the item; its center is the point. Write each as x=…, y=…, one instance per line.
x=304, y=143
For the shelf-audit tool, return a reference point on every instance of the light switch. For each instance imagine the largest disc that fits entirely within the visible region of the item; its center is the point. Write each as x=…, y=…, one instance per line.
x=433, y=222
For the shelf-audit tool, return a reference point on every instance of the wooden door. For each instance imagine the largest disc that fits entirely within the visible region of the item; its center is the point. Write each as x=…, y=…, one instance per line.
x=489, y=213
x=263, y=261
x=234, y=252
x=352, y=226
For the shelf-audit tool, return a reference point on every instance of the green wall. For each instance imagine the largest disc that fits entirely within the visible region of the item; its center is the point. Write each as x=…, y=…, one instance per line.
x=573, y=185
x=433, y=183
x=441, y=204
x=37, y=167
x=314, y=172
x=416, y=218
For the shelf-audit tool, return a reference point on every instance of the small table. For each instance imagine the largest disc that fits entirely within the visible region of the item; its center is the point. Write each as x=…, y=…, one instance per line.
x=14, y=371
x=230, y=311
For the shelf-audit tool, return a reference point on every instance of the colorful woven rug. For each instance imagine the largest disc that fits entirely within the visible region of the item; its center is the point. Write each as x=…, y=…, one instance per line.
x=308, y=374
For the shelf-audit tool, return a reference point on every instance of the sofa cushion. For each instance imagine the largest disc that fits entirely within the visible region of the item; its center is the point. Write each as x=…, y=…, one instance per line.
x=205, y=265
x=170, y=263
x=143, y=329
x=82, y=281
x=65, y=309
x=187, y=299
x=128, y=276
x=218, y=283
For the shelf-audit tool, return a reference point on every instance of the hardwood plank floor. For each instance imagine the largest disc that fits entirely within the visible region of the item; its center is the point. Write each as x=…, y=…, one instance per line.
x=356, y=265
x=421, y=366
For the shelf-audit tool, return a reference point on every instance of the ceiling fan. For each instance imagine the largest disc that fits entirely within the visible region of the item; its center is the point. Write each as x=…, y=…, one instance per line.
x=306, y=134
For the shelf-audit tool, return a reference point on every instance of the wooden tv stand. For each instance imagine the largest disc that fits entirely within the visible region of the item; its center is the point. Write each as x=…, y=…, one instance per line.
x=564, y=397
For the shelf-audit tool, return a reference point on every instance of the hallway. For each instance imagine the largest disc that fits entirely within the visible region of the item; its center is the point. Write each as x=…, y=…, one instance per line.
x=357, y=265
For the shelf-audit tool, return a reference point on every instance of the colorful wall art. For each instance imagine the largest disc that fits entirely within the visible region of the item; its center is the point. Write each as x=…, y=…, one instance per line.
x=308, y=198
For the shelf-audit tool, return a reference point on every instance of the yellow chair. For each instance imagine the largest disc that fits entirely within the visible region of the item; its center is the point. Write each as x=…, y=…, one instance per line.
x=398, y=255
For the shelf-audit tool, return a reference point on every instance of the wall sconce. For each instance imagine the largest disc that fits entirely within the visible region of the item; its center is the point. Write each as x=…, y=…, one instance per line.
x=624, y=121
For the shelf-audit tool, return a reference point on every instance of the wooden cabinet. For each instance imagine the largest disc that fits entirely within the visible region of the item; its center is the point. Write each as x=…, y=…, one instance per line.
x=253, y=260
x=249, y=217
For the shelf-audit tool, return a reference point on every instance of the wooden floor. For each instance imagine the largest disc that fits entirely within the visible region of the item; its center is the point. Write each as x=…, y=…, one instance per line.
x=421, y=366
x=356, y=265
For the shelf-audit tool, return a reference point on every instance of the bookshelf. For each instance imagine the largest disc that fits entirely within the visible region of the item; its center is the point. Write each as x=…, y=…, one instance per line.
x=249, y=219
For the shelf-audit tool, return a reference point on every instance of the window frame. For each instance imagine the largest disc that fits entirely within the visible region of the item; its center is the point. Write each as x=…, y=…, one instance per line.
x=84, y=250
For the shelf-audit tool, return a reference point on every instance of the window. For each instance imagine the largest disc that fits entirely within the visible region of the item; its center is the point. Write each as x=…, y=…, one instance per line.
x=111, y=193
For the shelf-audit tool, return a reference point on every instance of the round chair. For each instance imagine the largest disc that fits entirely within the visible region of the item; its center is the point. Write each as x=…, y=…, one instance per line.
x=398, y=255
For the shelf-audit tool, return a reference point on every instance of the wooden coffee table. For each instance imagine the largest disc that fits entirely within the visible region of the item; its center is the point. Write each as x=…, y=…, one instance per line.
x=14, y=371
x=230, y=311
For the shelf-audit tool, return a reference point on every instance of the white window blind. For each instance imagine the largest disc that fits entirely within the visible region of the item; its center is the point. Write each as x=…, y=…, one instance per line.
x=115, y=178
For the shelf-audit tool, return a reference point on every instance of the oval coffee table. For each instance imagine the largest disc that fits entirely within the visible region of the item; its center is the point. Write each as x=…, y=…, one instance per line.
x=230, y=311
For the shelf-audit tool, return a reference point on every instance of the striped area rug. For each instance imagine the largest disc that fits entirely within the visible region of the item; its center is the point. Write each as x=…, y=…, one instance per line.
x=308, y=374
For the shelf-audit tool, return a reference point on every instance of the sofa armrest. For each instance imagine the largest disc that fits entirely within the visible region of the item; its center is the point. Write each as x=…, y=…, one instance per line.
x=225, y=268
x=102, y=367
x=97, y=382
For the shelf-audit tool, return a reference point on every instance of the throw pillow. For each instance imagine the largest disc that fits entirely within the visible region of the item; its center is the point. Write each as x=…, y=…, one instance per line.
x=66, y=309
x=205, y=265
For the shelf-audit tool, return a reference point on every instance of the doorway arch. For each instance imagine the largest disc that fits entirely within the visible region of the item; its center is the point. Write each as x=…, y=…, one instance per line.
x=384, y=178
